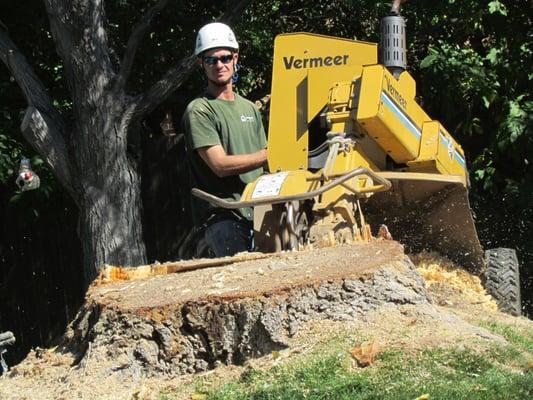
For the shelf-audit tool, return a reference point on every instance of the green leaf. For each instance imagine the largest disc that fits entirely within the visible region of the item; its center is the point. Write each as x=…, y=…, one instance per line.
x=492, y=56
x=497, y=7
x=428, y=61
x=37, y=162
x=15, y=198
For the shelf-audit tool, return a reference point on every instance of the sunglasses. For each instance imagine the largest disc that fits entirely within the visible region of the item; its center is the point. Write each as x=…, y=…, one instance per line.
x=211, y=60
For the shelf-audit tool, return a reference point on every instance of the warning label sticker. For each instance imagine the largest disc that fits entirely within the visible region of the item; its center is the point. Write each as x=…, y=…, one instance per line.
x=269, y=185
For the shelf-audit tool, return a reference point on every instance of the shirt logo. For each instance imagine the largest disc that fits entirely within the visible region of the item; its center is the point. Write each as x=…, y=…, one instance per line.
x=244, y=118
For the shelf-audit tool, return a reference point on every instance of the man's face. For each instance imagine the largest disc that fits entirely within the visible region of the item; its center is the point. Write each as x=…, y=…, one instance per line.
x=218, y=65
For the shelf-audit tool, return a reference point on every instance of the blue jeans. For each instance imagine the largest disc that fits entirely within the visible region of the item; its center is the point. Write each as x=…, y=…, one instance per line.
x=228, y=237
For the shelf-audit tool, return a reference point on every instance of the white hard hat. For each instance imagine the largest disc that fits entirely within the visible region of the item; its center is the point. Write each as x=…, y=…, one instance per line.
x=214, y=35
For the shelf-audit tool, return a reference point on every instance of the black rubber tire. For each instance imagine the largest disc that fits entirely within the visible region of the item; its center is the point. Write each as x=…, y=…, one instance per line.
x=502, y=279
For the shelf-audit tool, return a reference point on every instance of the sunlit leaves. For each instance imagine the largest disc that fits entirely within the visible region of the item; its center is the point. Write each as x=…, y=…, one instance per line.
x=431, y=59
x=467, y=76
x=492, y=55
x=497, y=7
x=516, y=123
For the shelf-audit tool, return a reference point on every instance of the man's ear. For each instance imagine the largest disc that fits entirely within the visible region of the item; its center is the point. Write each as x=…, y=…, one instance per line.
x=199, y=62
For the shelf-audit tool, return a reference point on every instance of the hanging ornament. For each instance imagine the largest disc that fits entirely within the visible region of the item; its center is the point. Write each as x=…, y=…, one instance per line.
x=27, y=179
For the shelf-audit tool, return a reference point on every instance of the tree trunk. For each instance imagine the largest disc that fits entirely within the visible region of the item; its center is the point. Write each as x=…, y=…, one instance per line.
x=110, y=224
x=105, y=176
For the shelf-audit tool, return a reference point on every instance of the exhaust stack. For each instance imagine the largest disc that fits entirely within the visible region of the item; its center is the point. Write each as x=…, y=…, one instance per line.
x=393, y=41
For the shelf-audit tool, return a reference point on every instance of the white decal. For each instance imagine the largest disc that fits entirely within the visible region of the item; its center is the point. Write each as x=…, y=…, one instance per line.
x=269, y=185
x=448, y=143
x=450, y=149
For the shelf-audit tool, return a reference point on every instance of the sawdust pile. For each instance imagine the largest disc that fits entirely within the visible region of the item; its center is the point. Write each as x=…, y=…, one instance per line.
x=450, y=283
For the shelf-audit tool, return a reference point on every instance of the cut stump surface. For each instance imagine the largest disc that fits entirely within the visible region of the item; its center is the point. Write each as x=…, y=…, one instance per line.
x=194, y=321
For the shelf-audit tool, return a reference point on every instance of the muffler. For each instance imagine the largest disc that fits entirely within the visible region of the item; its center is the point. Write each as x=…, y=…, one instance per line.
x=392, y=45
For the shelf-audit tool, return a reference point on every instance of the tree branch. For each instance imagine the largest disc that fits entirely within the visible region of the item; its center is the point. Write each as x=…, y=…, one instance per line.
x=42, y=126
x=77, y=27
x=43, y=133
x=31, y=86
x=161, y=90
x=133, y=42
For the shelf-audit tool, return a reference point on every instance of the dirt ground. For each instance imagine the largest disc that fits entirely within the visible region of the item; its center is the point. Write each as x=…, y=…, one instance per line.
x=459, y=304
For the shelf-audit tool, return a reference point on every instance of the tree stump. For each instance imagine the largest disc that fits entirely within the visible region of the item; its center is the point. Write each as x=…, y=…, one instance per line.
x=196, y=320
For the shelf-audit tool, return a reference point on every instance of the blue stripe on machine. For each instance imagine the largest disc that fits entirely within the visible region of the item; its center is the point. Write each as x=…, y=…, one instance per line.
x=401, y=116
x=460, y=158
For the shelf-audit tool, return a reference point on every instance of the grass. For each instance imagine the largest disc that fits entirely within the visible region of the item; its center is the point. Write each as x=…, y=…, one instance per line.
x=519, y=337
x=499, y=372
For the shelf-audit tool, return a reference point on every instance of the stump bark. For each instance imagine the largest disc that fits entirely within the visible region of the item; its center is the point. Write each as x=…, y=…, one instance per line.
x=196, y=320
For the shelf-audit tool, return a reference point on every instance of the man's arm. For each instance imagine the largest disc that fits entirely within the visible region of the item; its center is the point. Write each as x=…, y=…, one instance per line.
x=224, y=165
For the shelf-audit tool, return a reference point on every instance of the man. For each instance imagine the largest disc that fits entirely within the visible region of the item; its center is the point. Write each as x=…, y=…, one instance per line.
x=226, y=143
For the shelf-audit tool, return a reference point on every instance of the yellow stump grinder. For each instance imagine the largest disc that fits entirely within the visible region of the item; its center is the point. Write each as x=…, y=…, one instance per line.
x=352, y=155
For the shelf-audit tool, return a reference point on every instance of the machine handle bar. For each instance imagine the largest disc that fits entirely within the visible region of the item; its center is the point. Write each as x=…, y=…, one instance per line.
x=384, y=184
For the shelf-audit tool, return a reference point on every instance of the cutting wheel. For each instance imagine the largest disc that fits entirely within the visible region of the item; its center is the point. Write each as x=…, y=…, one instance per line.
x=293, y=220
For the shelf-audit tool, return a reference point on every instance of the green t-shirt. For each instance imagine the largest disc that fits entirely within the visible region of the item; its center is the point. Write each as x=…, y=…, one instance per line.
x=237, y=127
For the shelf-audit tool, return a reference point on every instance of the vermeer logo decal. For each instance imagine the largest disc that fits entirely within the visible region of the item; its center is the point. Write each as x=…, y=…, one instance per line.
x=314, y=62
x=395, y=94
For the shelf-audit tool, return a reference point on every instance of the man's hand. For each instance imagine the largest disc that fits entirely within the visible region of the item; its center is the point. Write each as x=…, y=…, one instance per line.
x=224, y=165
